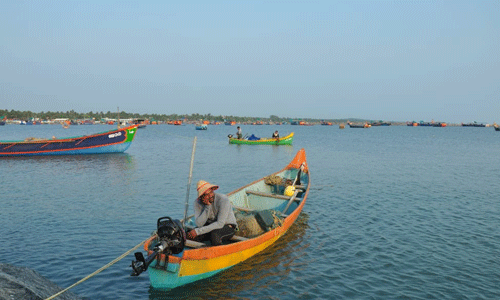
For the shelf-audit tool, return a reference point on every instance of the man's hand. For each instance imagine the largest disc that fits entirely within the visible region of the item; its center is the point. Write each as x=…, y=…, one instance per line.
x=192, y=234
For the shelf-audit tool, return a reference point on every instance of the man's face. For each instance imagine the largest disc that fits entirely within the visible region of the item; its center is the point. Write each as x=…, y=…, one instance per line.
x=208, y=197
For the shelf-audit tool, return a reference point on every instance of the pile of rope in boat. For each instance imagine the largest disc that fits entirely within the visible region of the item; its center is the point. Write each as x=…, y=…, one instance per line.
x=278, y=221
x=276, y=180
x=98, y=271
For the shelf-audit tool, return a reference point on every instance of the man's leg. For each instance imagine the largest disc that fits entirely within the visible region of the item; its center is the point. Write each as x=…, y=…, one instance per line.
x=223, y=234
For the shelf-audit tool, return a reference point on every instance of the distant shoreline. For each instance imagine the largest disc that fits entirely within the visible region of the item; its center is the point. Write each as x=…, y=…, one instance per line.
x=13, y=116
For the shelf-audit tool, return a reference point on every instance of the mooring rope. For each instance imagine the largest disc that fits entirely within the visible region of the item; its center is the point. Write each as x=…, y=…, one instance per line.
x=98, y=271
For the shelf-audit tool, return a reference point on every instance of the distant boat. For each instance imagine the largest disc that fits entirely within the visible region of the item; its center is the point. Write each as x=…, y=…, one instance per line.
x=201, y=127
x=497, y=128
x=475, y=124
x=112, y=141
x=380, y=123
x=287, y=140
x=366, y=125
x=141, y=123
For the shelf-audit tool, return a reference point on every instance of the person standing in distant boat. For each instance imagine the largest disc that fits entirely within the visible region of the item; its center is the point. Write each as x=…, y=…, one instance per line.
x=276, y=135
x=239, y=135
x=214, y=216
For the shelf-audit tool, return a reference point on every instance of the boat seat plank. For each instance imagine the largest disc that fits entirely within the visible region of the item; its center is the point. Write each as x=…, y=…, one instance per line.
x=194, y=244
x=238, y=238
x=257, y=193
x=243, y=208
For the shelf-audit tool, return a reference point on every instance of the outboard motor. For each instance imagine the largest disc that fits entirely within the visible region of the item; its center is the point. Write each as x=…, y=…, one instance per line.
x=171, y=240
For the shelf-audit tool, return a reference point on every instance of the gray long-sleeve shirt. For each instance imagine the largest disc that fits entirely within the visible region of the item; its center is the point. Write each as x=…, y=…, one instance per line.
x=218, y=214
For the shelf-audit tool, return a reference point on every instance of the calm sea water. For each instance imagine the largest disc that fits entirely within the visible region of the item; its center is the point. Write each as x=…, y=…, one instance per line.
x=393, y=213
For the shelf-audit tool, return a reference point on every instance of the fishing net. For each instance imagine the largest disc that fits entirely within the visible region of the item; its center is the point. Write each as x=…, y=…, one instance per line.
x=251, y=224
x=277, y=180
x=247, y=225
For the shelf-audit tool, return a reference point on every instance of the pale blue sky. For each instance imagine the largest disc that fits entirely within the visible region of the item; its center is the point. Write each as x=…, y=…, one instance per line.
x=388, y=60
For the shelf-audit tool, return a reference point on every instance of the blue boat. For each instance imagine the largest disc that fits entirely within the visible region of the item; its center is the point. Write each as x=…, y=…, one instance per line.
x=202, y=127
x=113, y=141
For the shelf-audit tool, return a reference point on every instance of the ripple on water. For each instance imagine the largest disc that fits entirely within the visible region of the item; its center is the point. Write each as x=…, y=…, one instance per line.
x=393, y=213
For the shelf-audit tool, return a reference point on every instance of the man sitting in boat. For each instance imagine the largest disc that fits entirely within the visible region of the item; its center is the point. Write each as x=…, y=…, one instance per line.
x=214, y=216
x=276, y=135
x=239, y=135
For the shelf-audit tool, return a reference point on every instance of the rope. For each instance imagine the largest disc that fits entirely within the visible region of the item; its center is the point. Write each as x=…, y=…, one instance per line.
x=98, y=271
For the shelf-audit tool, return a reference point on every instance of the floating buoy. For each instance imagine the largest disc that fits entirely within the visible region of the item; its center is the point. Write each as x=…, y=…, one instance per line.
x=289, y=190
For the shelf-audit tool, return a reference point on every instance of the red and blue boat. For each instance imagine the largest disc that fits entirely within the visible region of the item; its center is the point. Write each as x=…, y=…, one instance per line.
x=112, y=141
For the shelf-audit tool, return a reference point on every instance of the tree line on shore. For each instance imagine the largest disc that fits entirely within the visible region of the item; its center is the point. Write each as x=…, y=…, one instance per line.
x=73, y=115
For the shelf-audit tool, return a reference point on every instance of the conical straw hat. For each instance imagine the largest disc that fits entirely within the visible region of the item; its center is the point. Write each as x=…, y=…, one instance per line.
x=203, y=186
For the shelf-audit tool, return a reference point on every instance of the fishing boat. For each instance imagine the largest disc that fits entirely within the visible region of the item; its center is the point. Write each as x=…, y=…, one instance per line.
x=141, y=123
x=287, y=140
x=201, y=127
x=174, y=261
x=117, y=140
x=351, y=125
x=380, y=123
x=497, y=128
x=475, y=124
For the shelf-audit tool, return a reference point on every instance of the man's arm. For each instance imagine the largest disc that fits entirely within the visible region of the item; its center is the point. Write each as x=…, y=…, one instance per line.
x=224, y=211
x=200, y=214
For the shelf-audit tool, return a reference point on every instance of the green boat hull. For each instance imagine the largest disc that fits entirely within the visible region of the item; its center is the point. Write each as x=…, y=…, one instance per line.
x=287, y=140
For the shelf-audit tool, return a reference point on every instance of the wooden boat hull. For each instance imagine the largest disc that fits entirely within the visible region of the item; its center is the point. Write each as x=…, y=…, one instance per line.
x=193, y=264
x=287, y=140
x=113, y=141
